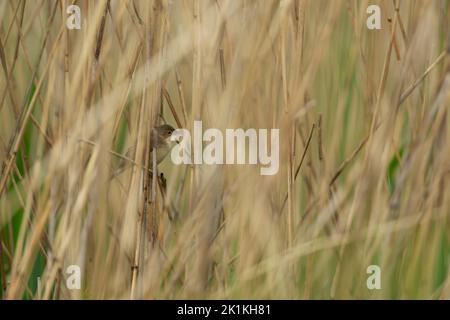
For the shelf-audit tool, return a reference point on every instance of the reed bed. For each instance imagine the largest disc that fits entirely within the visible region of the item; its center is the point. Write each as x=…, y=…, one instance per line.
x=364, y=149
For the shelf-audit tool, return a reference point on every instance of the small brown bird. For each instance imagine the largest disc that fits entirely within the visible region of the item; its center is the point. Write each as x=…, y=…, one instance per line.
x=160, y=140
x=163, y=143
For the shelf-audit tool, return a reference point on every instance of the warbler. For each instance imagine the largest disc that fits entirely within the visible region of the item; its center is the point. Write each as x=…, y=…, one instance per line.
x=159, y=140
x=163, y=143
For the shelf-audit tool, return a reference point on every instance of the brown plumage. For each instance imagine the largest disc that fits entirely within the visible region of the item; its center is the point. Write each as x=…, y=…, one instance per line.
x=160, y=140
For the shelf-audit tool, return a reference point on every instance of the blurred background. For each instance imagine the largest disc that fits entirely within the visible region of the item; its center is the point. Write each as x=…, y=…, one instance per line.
x=364, y=149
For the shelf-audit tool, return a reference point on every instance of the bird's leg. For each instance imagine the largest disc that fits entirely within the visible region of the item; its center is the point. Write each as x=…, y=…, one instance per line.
x=163, y=181
x=163, y=186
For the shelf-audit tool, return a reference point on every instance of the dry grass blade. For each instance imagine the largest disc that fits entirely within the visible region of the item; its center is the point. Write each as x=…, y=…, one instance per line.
x=418, y=81
x=297, y=171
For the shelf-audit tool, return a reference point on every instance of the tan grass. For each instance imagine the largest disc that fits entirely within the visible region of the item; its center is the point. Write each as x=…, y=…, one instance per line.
x=364, y=139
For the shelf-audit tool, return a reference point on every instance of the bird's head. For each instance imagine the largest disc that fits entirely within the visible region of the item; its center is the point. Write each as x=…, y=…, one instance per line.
x=165, y=131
